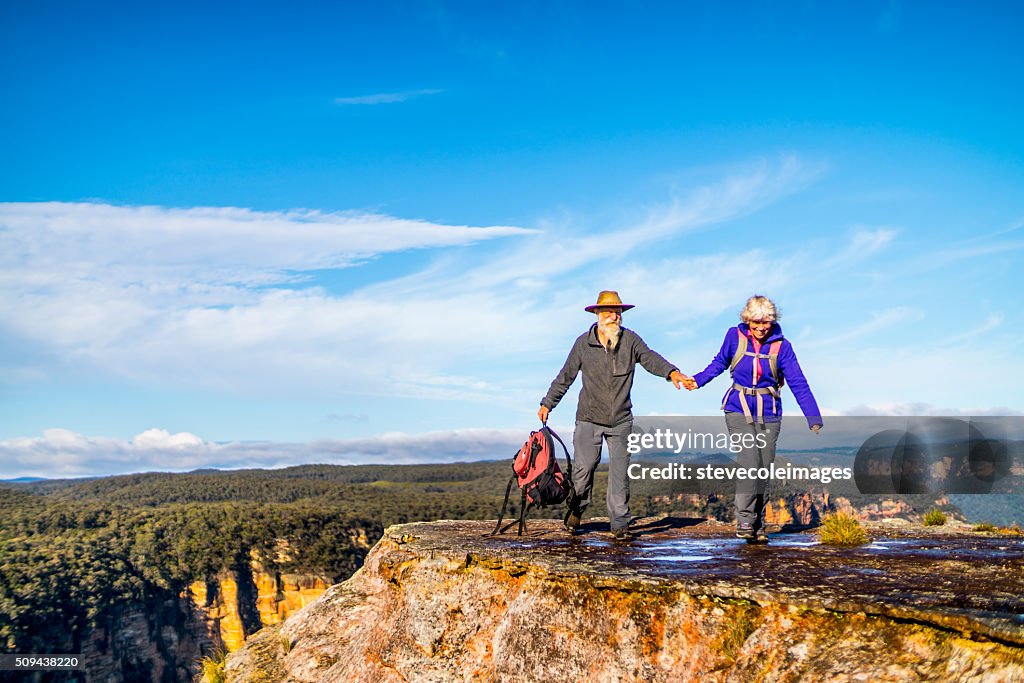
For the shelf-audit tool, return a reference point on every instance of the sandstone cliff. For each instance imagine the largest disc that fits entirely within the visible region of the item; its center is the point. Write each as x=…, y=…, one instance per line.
x=230, y=615
x=684, y=602
x=164, y=638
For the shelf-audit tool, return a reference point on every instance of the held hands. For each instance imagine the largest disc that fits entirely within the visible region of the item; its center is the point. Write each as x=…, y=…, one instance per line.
x=681, y=380
x=816, y=429
x=543, y=414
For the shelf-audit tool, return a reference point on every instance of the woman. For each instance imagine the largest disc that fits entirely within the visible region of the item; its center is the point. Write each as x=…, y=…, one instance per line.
x=760, y=360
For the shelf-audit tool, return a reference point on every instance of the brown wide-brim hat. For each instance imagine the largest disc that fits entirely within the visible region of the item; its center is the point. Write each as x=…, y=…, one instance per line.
x=608, y=299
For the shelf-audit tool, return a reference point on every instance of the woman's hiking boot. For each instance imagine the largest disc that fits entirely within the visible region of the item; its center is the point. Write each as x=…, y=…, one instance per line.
x=745, y=530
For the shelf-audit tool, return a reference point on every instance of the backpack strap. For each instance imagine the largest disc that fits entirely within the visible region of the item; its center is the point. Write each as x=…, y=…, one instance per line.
x=772, y=356
x=571, y=500
x=501, y=516
x=741, y=350
x=773, y=365
x=524, y=508
x=758, y=394
x=568, y=460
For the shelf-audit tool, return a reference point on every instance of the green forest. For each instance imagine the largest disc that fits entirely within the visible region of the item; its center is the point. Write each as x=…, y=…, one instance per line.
x=72, y=551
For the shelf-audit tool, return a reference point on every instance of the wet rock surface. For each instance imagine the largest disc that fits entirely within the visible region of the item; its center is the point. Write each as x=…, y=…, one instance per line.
x=685, y=600
x=948, y=576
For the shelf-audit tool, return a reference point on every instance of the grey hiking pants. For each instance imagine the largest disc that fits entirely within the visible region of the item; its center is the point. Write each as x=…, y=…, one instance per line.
x=752, y=495
x=586, y=442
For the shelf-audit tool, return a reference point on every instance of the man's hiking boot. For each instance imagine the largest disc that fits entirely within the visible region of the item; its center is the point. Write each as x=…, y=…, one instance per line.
x=745, y=530
x=623, y=534
x=572, y=522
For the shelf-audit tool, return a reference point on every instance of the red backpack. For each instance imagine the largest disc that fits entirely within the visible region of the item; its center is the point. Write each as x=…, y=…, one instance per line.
x=535, y=470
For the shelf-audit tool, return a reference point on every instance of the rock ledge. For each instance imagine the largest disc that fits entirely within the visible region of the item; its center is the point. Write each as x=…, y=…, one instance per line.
x=439, y=601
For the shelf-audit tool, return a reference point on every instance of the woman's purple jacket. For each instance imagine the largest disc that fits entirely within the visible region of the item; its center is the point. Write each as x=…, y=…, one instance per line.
x=788, y=366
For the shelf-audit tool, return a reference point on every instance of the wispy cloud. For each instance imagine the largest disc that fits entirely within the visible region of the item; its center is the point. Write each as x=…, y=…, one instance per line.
x=569, y=248
x=865, y=243
x=994, y=321
x=386, y=97
x=154, y=293
x=944, y=258
x=740, y=193
x=876, y=324
x=92, y=237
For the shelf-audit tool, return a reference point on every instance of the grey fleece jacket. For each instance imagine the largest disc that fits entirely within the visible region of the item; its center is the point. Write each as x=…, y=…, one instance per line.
x=607, y=376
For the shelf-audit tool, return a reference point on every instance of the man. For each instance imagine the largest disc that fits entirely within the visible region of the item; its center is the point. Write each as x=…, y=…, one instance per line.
x=607, y=354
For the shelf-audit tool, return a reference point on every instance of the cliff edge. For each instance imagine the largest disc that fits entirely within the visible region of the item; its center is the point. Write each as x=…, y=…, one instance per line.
x=685, y=601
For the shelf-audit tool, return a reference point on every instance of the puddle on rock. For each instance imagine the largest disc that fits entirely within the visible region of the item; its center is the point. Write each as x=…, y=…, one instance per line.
x=688, y=550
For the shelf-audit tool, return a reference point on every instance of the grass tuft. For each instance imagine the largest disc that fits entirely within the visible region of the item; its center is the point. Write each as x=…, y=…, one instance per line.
x=737, y=632
x=934, y=517
x=842, y=529
x=212, y=668
x=985, y=526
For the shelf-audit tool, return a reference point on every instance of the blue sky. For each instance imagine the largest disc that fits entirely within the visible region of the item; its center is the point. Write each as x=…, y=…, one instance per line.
x=256, y=235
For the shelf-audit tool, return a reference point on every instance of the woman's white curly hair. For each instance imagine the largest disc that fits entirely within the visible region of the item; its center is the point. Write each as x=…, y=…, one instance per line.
x=759, y=307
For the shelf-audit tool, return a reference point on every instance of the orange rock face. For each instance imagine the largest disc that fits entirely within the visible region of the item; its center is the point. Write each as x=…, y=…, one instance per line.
x=277, y=598
x=220, y=607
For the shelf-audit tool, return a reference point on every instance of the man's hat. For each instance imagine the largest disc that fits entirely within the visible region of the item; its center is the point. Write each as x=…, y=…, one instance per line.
x=608, y=299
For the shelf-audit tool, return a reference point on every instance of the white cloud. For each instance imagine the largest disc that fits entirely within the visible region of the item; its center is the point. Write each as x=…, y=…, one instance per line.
x=386, y=97
x=162, y=439
x=63, y=453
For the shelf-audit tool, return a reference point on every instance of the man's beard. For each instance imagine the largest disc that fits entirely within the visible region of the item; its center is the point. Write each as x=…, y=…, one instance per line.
x=611, y=332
